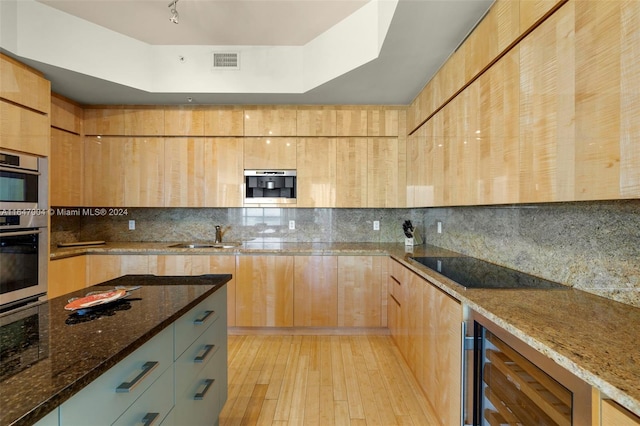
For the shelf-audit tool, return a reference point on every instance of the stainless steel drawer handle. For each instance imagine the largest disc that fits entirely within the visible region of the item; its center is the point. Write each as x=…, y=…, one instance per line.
x=203, y=318
x=208, y=350
x=147, y=368
x=150, y=418
x=207, y=385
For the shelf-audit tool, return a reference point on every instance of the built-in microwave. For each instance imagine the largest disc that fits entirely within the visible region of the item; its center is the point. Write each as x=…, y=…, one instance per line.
x=21, y=177
x=270, y=186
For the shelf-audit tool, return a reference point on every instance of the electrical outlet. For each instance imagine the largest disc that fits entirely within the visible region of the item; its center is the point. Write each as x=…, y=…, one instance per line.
x=292, y=224
x=376, y=225
x=132, y=225
x=439, y=225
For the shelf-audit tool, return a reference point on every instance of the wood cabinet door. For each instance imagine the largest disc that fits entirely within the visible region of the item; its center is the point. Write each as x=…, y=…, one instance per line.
x=223, y=172
x=103, y=121
x=66, y=169
x=66, y=275
x=66, y=114
x=23, y=85
x=224, y=122
x=24, y=130
x=382, y=122
x=351, y=172
x=613, y=414
x=531, y=11
x=315, y=291
x=382, y=172
x=270, y=122
x=316, y=179
x=144, y=172
x=219, y=264
x=184, y=175
x=270, y=153
x=316, y=122
x=351, y=122
x=183, y=121
x=264, y=291
x=102, y=268
x=144, y=121
x=104, y=171
x=361, y=291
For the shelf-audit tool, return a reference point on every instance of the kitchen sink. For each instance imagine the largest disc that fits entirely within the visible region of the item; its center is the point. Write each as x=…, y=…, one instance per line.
x=206, y=245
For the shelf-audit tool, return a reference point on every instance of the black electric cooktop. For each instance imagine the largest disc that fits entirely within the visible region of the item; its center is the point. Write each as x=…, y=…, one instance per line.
x=470, y=272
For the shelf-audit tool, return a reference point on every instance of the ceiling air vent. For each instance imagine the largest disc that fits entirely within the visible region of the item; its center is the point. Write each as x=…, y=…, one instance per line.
x=226, y=61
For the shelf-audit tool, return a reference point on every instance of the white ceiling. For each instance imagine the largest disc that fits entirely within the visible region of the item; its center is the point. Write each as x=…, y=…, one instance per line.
x=420, y=37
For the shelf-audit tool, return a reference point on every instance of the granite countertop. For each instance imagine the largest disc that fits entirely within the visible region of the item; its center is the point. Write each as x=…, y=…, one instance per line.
x=73, y=351
x=591, y=336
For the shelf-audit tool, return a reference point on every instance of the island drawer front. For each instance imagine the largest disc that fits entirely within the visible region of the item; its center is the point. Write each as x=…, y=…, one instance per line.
x=195, y=322
x=99, y=403
x=208, y=384
x=205, y=347
x=155, y=403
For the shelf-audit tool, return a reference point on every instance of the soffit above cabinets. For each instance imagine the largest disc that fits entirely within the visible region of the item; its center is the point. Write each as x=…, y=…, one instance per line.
x=289, y=51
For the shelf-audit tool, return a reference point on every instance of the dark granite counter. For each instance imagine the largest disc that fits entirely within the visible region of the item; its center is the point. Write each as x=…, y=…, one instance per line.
x=68, y=351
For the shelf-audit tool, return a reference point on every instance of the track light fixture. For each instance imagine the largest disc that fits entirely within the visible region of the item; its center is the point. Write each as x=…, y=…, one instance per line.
x=174, y=11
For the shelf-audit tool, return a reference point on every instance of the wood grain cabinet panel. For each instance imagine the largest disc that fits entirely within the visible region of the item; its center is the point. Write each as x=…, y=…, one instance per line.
x=104, y=171
x=183, y=121
x=144, y=121
x=24, y=130
x=607, y=151
x=316, y=122
x=102, y=268
x=351, y=172
x=223, y=172
x=264, y=291
x=315, y=291
x=184, y=176
x=362, y=296
x=351, y=122
x=66, y=169
x=224, y=122
x=269, y=153
x=23, y=85
x=532, y=11
x=220, y=264
x=548, y=110
x=382, y=172
x=144, y=172
x=613, y=414
x=270, y=122
x=66, y=275
x=316, y=179
x=103, y=121
x=383, y=122
x=66, y=114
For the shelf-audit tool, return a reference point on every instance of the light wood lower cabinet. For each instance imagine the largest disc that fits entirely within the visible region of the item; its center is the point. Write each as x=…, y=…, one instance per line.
x=264, y=291
x=66, y=275
x=362, y=297
x=428, y=333
x=315, y=291
x=613, y=414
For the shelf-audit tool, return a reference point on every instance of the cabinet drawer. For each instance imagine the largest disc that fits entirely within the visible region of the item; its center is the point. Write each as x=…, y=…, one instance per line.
x=154, y=404
x=190, y=365
x=100, y=402
x=195, y=322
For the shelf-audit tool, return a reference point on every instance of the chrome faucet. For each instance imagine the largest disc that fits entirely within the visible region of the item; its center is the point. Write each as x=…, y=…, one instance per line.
x=218, y=234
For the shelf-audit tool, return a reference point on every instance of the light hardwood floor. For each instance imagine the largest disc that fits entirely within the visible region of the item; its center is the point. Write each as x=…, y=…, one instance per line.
x=321, y=380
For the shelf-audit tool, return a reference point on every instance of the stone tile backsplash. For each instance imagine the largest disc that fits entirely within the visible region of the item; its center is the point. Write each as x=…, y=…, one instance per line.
x=594, y=246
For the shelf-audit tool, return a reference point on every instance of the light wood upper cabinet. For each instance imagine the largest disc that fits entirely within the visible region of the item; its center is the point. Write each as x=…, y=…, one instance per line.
x=548, y=110
x=66, y=167
x=104, y=171
x=315, y=291
x=531, y=11
x=351, y=172
x=66, y=275
x=183, y=121
x=264, y=291
x=23, y=85
x=607, y=151
x=269, y=153
x=224, y=122
x=144, y=121
x=103, y=121
x=144, y=172
x=316, y=179
x=24, y=130
x=362, y=295
x=351, y=122
x=65, y=114
x=184, y=175
x=270, y=122
x=316, y=122
x=223, y=172
x=382, y=172
x=382, y=122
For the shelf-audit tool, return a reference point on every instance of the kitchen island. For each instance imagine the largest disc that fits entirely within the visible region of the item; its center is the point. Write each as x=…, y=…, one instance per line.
x=68, y=351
